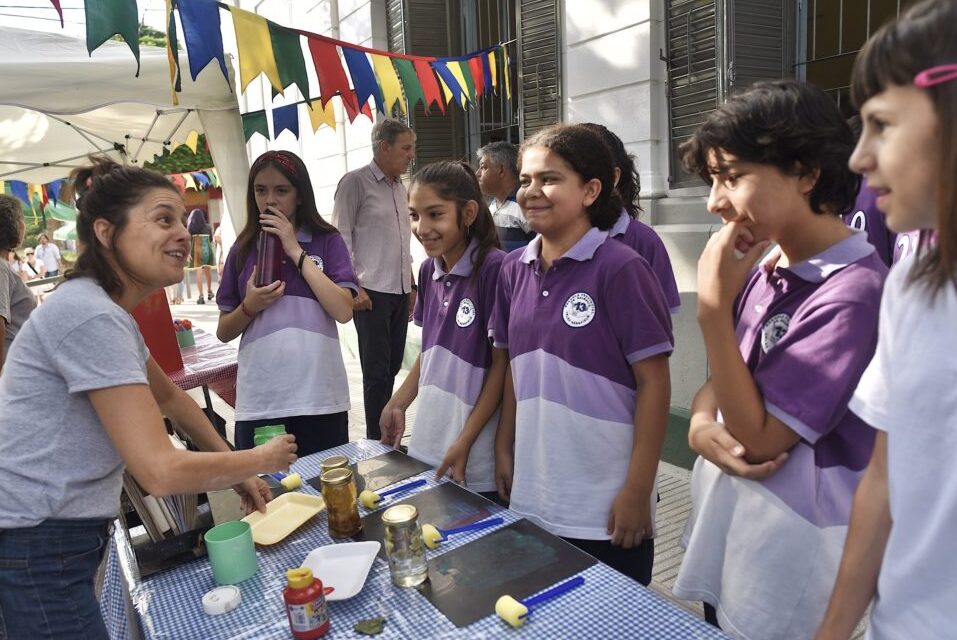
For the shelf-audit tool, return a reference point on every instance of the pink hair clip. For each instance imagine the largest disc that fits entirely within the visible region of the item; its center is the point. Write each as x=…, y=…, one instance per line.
x=935, y=75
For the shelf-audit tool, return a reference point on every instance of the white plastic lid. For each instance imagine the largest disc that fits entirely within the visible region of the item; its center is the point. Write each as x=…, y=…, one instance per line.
x=221, y=600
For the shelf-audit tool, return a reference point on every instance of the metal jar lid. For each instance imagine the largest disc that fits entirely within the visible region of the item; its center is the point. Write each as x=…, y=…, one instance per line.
x=336, y=477
x=400, y=514
x=333, y=462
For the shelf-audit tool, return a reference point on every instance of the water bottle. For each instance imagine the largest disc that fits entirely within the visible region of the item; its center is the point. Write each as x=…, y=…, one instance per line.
x=269, y=261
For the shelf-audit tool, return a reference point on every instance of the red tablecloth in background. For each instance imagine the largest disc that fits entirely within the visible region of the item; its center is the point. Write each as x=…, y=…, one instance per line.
x=211, y=363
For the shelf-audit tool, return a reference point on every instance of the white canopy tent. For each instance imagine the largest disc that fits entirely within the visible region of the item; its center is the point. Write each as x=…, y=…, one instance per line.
x=58, y=104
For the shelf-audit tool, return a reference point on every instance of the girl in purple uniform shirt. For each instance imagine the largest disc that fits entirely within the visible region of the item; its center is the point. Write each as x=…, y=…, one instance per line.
x=588, y=334
x=628, y=228
x=458, y=377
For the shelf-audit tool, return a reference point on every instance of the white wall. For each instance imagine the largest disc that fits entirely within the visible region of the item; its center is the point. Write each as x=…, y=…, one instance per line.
x=612, y=75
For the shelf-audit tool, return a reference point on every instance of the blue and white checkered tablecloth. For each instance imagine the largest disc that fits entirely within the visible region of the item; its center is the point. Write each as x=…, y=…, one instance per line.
x=168, y=605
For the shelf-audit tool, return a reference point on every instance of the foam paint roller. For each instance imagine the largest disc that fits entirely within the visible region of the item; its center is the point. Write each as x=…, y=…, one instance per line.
x=370, y=499
x=432, y=535
x=514, y=612
x=289, y=481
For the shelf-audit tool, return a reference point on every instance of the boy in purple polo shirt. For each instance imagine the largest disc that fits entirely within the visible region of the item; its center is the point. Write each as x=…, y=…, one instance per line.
x=786, y=342
x=628, y=228
x=865, y=216
x=588, y=334
x=290, y=364
x=457, y=376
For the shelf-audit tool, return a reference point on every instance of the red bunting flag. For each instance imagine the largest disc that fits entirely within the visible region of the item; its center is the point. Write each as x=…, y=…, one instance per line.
x=332, y=78
x=478, y=78
x=430, y=87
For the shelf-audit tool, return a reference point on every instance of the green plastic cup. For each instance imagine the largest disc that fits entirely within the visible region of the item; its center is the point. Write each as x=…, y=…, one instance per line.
x=231, y=551
x=262, y=435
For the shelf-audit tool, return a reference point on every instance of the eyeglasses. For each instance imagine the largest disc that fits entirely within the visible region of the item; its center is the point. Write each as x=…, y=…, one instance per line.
x=935, y=75
x=29, y=253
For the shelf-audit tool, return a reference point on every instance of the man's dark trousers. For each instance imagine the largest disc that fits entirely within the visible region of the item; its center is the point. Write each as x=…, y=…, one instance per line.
x=382, y=334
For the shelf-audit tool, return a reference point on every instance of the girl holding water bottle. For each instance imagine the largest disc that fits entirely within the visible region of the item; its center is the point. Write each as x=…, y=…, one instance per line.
x=286, y=282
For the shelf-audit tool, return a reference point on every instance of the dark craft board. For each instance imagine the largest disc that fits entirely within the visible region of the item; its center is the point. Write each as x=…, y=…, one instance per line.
x=518, y=560
x=381, y=471
x=446, y=506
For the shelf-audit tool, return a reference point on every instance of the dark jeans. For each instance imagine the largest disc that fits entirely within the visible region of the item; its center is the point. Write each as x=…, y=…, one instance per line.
x=46, y=580
x=382, y=333
x=636, y=563
x=313, y=433
x=52, y=274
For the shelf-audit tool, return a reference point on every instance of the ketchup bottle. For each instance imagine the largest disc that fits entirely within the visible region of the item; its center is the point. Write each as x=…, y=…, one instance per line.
x=305, y=605
x=269, y=260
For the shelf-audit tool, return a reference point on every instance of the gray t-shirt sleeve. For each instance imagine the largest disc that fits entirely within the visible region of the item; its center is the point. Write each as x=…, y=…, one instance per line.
x=105, y=351
x=6, y=293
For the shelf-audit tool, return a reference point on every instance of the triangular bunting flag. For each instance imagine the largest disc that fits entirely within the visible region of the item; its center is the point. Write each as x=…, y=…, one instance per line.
x=463, y=74
x=188, y=181
x=352, y=110
x=450, y=84
x=493, y=70
x=478, y=78
x=213, y=177
x=178, y=181
x=389, y=81
x=192, y=140
x=53, y=189
x=332, y=77
x=486, y=73
x=255, y=122
x=363, y=79
x=430, y=87
x=56, y=5
x=410, y=83
x=285, y=119
x=18, y=189
x=172, y=52
x=319, y=115
x=255, y=49
x=201, y=179
x=107, y=18
x=288, y=53
x=506, y=73
x=201, y=30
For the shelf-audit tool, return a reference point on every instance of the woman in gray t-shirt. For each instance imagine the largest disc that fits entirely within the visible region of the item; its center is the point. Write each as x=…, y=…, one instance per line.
x=81, y=357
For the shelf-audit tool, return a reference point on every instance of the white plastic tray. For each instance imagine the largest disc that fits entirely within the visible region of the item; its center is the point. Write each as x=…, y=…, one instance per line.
x=283, y=515
x=343, y=566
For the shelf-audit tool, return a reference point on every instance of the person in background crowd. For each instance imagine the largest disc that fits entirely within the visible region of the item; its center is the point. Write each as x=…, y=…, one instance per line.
x=498, y=177
x=49, y=254
x=16, y=300
x=899, y=552
x=371, y=213
x=33, y=269
x=201, y=252
x=80, y=357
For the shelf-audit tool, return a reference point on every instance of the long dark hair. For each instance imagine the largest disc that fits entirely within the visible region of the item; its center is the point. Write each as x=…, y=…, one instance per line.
x=456, y=181
x=920, y=39
x=107, y=190
x=196, y=223
x=588, y=156
x=629, y=182
x=307, y=215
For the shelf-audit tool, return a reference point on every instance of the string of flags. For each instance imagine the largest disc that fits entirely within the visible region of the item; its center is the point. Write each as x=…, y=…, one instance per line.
x=357, y=75
x=196, y=180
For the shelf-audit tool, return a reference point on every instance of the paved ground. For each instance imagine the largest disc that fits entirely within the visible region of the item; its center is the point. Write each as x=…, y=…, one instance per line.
x=673, y=482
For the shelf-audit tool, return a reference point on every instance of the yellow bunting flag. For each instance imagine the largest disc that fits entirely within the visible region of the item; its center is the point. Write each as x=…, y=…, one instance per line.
x=190, y=181
x=319, y=115
x=192, y=140
x=388, y=82
x=508, y=89
x=456, y=71
x=491, y=66
x=255, y=49
x=445, y=89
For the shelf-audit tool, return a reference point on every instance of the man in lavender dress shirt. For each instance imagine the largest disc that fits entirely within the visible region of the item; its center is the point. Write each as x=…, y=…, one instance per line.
x=371, y=212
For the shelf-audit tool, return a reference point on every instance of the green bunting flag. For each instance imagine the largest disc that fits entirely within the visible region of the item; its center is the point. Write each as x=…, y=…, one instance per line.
x=289, y=61
x=107, y=18
x=410, y=83
x=255, y=122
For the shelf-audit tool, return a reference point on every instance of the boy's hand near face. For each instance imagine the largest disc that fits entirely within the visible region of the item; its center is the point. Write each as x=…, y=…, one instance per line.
x=721, y=273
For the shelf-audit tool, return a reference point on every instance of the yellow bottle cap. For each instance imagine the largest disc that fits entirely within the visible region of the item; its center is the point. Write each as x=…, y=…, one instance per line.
x=299, y=578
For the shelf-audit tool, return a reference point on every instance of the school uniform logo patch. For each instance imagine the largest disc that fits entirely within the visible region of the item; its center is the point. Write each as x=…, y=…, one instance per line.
x=579, y=310
x=317, y=260
x=465, y=316
x=773, y=330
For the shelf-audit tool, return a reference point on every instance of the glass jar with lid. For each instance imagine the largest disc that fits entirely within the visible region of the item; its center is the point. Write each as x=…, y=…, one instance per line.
x=333, y=462
x=404, y=546
x=339, y=492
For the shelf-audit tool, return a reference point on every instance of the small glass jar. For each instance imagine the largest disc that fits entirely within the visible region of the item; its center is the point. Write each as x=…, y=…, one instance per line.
x=333, y=462
x=404, y=546
x=339, y=492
